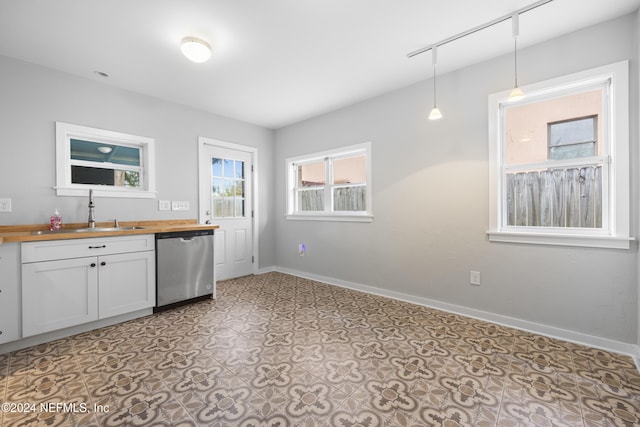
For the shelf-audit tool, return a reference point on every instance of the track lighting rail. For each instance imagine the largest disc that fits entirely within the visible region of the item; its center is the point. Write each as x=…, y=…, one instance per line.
x=478, y=28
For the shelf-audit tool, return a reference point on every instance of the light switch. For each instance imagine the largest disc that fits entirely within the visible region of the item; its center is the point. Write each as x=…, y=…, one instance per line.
x=5, y=205
x=474, y=278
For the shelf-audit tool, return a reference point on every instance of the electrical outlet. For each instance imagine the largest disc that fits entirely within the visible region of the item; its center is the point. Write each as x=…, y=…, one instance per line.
x=164, y=205
x=179, y=205
x=474, y=278
x=302, y=248
x=5, y=205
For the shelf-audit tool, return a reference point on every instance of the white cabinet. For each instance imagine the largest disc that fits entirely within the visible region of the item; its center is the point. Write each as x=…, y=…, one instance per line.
x=67, y=283
x=9, y=292
x=58, y=294
x=127, y=283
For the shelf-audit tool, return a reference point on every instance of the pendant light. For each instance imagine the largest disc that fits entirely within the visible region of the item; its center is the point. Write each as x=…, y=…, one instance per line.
x=435, y=112
x=516, y=93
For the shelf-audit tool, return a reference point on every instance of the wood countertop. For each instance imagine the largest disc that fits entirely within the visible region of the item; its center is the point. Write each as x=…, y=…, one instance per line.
x=29, y=233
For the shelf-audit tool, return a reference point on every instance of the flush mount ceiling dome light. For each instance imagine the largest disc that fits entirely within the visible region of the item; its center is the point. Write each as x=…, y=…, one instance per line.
x=195, y=49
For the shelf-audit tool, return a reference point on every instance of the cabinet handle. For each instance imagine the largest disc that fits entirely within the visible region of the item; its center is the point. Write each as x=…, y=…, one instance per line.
x=103, y=263
x=93, y=264
x=97, y=247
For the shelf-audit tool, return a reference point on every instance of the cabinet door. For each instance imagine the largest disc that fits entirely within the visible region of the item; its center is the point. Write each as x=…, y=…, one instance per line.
x=58, y=294
x=127, y=283
x=9, y=292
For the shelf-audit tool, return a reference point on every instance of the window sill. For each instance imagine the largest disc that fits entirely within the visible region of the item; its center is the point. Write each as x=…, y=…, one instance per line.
x=342, y=218
x=101, y=191
x=608, y=242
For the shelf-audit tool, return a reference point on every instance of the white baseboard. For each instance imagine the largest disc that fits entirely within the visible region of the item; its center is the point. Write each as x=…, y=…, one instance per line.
x=628, y=349
x=267, y=270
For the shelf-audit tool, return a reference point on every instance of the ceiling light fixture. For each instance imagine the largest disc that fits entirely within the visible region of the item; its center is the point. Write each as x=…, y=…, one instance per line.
x=516, y=93
x=195, y=49
x=104, y=149
x=435, y=112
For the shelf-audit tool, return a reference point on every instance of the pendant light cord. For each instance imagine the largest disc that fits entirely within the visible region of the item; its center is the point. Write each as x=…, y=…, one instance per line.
x=434, y=61
x=515, y=30
x=434, y=86
x=515, y=60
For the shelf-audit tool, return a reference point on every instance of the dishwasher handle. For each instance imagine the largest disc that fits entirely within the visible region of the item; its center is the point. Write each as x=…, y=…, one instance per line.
x=183, y=234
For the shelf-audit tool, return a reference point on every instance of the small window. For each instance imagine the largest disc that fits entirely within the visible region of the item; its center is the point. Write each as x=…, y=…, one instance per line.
x=112, y=163
x=559, y=161
x=573, y=138
x=334, y=185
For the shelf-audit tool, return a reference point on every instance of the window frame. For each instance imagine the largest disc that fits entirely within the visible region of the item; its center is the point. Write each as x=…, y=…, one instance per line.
x=616, y=194
x=65, y=132
x=328, y=214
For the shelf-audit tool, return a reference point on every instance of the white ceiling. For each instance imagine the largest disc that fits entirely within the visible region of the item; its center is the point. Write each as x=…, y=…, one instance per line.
x=275, y=62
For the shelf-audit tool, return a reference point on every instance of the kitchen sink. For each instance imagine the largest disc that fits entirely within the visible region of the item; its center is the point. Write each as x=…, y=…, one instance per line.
x=88, y=230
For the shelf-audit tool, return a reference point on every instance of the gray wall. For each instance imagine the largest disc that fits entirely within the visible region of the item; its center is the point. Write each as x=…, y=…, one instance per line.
x=33, y=98
x=430, y=200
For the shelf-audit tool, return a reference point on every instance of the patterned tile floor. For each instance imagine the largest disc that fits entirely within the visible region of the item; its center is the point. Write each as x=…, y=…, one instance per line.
x=276, y=350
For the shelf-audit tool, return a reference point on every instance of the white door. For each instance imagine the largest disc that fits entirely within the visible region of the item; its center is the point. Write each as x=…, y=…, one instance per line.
x=226, y=182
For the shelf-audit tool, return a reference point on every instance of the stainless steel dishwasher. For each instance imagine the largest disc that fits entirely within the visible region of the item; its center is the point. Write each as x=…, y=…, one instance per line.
x=184, y=268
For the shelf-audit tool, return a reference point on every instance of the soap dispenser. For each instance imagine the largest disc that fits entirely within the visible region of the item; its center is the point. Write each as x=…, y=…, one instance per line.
x=55, y=222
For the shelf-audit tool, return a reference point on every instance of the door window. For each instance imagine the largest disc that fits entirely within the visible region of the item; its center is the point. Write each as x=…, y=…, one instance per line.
x=227, y=188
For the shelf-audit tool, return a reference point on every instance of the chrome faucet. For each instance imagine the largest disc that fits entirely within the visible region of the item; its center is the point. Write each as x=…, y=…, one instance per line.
x=92, y=216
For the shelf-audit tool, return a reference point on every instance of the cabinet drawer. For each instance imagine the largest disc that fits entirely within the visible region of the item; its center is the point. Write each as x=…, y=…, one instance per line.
x=78, y=248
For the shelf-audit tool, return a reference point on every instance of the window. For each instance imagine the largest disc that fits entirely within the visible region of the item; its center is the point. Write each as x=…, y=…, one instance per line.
x=333, y=185
x=573, y=138
x=559, y=169
x=112, y=163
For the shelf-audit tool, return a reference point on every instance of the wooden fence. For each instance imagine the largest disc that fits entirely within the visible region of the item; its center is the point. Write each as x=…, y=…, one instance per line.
x=349, y=199
x=570, y=197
